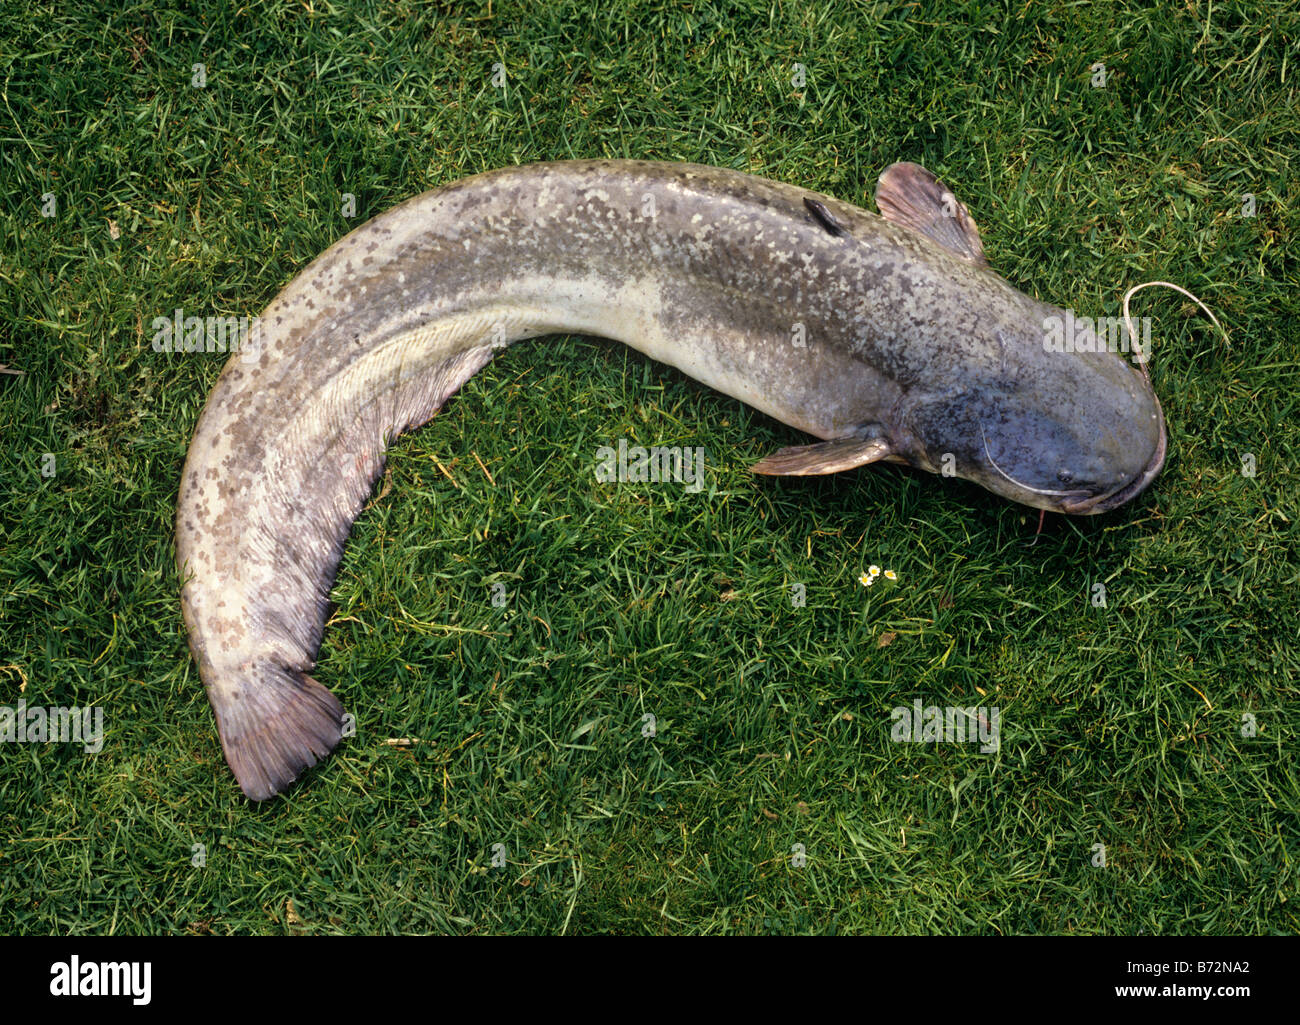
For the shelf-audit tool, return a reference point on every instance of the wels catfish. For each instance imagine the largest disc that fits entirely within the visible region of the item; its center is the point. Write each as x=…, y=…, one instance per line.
x=886, y=337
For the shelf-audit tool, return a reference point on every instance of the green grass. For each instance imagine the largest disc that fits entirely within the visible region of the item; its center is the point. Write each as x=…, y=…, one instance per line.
x=1121, y=726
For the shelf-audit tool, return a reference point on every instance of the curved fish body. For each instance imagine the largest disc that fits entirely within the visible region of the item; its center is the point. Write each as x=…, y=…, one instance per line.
x=885, y=337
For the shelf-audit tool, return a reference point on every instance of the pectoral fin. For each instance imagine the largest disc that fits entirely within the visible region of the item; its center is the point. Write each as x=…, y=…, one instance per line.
x=909, y=195
x=824, y=457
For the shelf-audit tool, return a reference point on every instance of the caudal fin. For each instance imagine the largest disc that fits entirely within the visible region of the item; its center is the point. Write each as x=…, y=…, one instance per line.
x=275, y=722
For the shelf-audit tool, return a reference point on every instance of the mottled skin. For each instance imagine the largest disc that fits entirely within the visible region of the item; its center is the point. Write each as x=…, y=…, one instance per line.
x=706, y=269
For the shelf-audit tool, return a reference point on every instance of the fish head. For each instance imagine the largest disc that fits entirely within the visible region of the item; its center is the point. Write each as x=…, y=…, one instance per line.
x=1077, y=433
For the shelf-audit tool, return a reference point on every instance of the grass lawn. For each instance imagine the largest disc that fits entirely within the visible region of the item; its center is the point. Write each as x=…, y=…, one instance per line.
x=1156, y=733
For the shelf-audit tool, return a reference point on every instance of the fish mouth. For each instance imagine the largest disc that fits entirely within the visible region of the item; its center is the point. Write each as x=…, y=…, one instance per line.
x=1125, y=492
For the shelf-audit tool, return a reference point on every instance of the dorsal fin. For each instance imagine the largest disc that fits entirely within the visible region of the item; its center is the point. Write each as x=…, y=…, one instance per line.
x=909, y=195
x=824, y=217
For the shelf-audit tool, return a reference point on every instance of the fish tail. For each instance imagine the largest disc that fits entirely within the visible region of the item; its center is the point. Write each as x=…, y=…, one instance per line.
x=275, y=722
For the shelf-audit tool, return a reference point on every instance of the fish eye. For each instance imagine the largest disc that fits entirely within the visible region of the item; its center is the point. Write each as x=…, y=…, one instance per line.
x=1065, y=476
